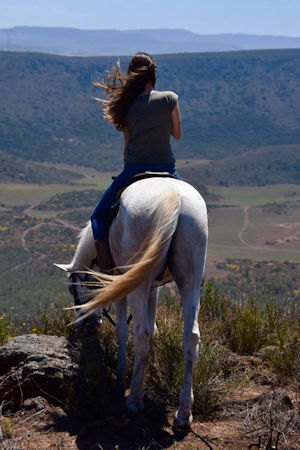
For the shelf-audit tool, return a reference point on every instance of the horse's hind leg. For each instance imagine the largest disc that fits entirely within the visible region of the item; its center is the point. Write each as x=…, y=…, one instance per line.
x=187, y=266
x=152, y=305
x=191, y=338
x=186, y=262
x=122, y=336
x=142, y=332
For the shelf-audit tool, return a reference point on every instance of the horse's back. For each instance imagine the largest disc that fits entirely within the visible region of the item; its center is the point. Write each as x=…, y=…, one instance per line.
x=141, y=196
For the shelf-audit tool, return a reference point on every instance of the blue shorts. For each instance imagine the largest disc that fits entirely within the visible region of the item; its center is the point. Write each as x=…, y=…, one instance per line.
x=100, y=213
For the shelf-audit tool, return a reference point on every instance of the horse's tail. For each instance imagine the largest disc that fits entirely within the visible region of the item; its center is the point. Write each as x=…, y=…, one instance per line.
x=84, y=254
x=149, y=256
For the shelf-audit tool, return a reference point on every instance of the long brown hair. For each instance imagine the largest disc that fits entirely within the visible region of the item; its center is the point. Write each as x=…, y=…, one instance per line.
x=121, y=90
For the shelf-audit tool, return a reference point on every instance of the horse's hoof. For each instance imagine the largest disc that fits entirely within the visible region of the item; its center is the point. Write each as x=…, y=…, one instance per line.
x=182, y=424
x=134, y=405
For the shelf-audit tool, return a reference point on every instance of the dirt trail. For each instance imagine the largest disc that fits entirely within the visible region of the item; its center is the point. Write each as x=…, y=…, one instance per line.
x=244, y=228
x=28, y=210
x=294, y=236
x=67, y=224
x=56, y=223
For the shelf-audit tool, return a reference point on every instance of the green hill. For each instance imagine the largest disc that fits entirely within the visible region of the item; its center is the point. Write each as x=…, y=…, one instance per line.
x=18, y=170
x=270, y=165
x=231, y=103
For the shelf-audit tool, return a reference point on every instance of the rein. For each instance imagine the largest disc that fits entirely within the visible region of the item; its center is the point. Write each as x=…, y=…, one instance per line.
x=106, y=314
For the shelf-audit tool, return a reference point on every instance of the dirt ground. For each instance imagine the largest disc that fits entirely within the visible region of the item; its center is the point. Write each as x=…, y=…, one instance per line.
x=257, y=415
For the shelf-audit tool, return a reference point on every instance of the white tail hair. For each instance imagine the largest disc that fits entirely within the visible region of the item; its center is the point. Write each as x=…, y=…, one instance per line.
x=151, y=253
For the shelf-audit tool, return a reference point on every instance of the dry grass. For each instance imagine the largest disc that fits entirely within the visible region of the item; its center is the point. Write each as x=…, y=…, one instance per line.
x=226, y=326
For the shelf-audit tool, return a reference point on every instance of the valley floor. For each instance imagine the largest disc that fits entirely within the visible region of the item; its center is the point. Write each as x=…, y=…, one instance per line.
x=40, y=223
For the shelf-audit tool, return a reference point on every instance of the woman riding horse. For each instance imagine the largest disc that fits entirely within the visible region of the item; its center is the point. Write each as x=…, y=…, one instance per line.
x=161, y=224
x=147, y=119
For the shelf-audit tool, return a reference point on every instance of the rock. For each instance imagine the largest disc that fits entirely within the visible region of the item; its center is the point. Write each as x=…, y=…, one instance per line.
x=63, y=372
x=286, y=401
x=35, y=404
x=32, y=365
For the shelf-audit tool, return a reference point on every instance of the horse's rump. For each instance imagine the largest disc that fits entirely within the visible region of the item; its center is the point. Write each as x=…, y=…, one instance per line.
x=144, y=261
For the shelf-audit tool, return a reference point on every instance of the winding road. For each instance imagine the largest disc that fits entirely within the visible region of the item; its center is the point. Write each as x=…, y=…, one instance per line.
x=56, y=223
x=292, y=237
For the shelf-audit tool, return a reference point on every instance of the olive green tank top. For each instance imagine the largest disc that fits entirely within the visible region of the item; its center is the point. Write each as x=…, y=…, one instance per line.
x=149, y=124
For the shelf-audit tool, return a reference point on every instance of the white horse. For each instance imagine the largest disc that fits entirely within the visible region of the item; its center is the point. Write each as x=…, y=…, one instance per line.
x=162, y=223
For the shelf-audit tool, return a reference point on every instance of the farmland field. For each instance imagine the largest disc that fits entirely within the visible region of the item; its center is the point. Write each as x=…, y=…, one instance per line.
x=255, y=232
x=256, y=196
x=40, y=223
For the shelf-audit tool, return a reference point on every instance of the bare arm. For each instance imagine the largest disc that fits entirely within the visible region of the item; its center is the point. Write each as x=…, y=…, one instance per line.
x=126, y=139
x=176, y=122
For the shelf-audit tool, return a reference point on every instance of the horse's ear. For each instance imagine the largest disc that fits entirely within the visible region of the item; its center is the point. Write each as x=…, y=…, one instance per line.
x=64, y=267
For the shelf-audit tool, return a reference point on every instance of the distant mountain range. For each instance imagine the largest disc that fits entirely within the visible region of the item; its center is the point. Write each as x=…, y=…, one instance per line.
x=75, y=42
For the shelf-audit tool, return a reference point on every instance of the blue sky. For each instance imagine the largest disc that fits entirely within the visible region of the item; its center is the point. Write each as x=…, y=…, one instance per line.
x=276, y=17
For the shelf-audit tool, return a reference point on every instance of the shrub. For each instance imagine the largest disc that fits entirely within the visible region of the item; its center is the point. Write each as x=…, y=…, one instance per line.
x=5, y=328
x=245, y=327
x=213, y=306
x=167, y=367
x=53, y=320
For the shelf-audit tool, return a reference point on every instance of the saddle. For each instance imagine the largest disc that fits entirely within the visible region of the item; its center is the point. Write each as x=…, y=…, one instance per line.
x=139, y=176
x=165, y=276
x=142, y=176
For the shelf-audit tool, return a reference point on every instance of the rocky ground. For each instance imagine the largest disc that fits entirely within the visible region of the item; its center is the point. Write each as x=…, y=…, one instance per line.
x=43, y=391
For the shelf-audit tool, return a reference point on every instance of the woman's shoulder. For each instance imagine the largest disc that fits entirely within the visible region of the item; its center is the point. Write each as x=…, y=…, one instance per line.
x=167, y=97
x=164, y=94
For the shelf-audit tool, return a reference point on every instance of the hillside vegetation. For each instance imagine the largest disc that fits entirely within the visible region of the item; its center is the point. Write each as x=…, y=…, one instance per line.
x=231, y=103
x=18, y=170
x=270, y=165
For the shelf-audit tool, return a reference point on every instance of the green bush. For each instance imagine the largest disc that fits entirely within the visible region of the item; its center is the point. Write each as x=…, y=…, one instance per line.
x=53, y=320
x=285, y=358
x=167, y=366
x=245, y=327
x=5, y=328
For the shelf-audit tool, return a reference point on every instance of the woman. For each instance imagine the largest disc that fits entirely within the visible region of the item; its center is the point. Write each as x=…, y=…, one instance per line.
x=147, y=119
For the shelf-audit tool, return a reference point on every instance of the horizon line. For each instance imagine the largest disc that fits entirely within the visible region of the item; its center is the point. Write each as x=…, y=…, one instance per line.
x=150, y=29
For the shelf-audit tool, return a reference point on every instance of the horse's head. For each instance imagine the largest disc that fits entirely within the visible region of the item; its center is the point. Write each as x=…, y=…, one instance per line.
x=80, y=285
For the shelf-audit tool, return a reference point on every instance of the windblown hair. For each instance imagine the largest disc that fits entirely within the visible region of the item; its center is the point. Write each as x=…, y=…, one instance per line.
x=121, y=90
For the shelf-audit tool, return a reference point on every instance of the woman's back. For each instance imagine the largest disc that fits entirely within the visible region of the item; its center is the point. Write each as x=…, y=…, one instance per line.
x=149, y=125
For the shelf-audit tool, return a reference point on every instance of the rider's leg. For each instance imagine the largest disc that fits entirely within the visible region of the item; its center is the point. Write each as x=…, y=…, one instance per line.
x=99, y=220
